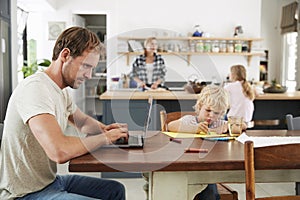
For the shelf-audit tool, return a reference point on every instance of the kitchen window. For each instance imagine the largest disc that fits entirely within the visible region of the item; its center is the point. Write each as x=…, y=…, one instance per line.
x=289, y=60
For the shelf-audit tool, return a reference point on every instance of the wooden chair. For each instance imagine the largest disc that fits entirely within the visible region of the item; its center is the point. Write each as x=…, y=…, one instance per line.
x=226, y=193
x=165, y=118
x=269, y=158
x=293, y=123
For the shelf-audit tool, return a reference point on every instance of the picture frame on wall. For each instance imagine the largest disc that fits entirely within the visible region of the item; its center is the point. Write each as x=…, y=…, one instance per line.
x=54, y=29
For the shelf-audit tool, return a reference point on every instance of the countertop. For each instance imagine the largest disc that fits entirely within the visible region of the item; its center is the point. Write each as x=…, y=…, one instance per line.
x=183, y=95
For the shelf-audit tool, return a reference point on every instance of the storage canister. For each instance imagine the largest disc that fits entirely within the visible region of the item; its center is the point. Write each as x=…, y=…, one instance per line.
x=230, y=47
x=207, y=46
x=215, y=46
x=238, y=46
x=223, y=48
x=199, y=46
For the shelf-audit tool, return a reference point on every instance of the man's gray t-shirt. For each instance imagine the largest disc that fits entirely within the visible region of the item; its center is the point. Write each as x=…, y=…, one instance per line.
x=25, y=167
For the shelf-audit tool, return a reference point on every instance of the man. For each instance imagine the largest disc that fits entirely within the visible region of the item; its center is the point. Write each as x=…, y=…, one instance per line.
x=37, y=114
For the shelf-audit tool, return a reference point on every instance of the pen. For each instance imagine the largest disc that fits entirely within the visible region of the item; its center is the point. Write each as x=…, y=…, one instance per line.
x=175, y=140
x=195, y=150
x=220, y=138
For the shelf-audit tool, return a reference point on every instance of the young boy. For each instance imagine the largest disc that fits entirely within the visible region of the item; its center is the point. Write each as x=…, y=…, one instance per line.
x=211, y=105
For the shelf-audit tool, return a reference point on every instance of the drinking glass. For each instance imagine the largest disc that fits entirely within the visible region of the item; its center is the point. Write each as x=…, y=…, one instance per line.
x=235, y=125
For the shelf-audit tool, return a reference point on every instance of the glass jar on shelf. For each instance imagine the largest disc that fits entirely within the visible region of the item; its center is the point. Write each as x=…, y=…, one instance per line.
x=192, y=47
x=215, y=46
x=230, y=47
x=223, y=48
x=199, y=46
x=245, y=46
x=238, y=46
x=207, y=46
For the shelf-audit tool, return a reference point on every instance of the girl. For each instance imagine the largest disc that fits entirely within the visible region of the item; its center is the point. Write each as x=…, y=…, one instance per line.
x=241, y=94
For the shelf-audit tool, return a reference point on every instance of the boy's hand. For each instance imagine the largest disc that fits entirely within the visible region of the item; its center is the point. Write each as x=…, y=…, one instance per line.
x=202, y=127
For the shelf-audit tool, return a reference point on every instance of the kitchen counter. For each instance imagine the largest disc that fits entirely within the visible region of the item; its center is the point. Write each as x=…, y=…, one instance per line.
x=279, y=96
x=182, y=95
x=138, y=95
x=130, y=106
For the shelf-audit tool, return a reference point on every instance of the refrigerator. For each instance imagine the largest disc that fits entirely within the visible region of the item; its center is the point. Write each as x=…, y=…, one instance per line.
x=5, y=66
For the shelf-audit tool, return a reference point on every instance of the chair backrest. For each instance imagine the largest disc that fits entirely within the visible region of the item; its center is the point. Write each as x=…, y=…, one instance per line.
x=165, y=118
x=293, y=123
x=271, y=157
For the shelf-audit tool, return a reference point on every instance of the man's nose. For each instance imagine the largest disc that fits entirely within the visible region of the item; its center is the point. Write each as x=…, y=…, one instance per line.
x=88, y=74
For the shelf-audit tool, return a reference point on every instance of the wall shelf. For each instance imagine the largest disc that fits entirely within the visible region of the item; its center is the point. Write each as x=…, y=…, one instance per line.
x=189, y=54
x=248, y=54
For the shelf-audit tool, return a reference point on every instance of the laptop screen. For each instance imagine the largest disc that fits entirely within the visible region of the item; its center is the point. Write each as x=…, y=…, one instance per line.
x=148, y=117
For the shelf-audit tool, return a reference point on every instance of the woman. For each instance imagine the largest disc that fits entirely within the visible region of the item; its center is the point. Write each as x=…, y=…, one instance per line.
x=149, y=68
x=241, y=94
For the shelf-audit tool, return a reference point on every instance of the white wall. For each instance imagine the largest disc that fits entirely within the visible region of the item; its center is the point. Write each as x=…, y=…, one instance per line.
x=217, y=17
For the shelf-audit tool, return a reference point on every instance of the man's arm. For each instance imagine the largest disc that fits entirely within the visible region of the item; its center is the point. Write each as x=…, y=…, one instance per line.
x=61, y=148
x=86, y=124
x=90, y=126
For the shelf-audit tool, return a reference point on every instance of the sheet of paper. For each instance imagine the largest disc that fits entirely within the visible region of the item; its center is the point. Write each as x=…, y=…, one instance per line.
x=269, y=140
x=192, y=135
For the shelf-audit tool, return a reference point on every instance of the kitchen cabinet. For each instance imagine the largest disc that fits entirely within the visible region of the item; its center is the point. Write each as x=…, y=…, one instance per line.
x=129, y=107
x=93, y=88
x=5, y=9
x=193, y=46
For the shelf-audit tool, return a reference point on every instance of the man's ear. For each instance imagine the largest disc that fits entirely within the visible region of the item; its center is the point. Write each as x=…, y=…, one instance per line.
x=64, y=54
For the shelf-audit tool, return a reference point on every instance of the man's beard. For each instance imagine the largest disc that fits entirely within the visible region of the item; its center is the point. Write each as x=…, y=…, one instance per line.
x=70, y=84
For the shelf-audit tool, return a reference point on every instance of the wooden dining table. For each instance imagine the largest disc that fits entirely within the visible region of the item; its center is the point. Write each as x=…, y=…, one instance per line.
x=177, y=174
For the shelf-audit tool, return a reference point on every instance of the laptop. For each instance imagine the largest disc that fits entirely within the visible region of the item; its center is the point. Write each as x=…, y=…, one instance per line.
x=135, y=141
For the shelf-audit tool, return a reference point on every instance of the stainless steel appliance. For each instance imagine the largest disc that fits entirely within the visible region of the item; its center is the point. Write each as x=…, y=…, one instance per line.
x=5, y=66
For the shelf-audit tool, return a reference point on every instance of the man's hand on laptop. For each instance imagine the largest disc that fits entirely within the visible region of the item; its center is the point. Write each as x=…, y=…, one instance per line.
x=116, y=125
x=116, y=131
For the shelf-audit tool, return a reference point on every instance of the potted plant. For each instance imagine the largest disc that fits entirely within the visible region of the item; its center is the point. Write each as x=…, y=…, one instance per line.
x=34, y=67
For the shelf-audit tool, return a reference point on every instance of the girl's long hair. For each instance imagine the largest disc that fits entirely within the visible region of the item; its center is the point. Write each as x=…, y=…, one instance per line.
x=238, y=73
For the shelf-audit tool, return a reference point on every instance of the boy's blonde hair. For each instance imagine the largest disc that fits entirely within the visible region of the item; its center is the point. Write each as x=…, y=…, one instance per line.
x=215, y=97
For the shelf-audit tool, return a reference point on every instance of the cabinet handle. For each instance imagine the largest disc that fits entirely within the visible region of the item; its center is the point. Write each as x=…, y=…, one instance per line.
x=3, y=46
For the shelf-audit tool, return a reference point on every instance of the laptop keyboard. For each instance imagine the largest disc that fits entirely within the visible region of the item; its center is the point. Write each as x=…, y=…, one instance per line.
x=131, y=140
